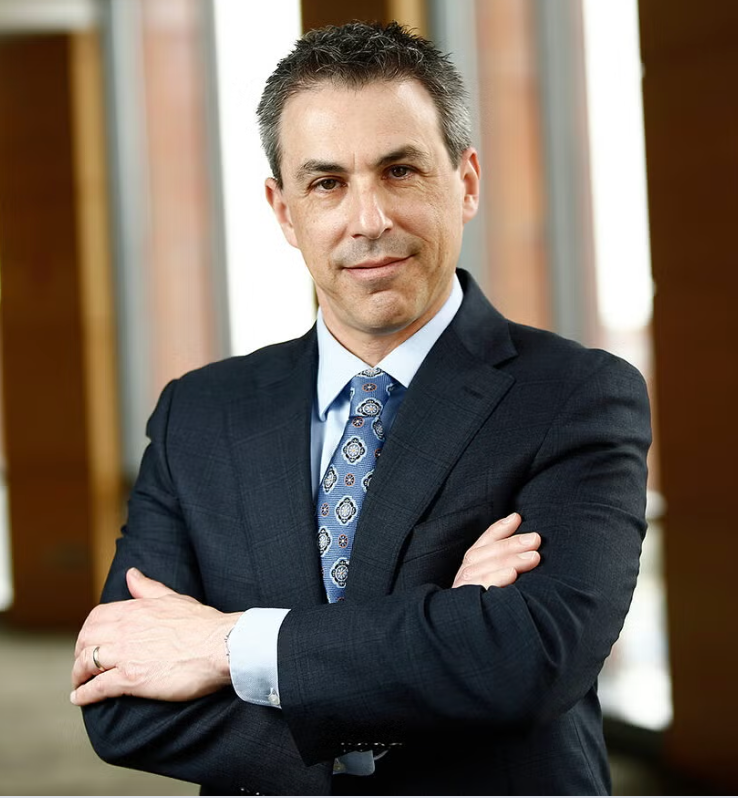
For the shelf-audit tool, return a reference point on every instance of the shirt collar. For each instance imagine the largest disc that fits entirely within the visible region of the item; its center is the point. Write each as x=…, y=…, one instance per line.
x=336, y=365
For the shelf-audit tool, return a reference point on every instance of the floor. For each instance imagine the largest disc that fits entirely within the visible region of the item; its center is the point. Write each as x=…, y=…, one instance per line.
x=44, y=748
x=43, y=745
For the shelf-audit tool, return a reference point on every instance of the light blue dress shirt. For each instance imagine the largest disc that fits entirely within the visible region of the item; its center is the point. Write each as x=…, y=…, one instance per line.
x=252, y=644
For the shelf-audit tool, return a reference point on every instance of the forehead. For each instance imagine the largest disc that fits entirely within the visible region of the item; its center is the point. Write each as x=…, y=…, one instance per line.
x=330, y=122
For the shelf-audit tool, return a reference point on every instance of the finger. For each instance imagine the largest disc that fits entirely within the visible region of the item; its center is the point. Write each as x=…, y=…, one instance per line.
x=141, y=586
x=497, y=571
x=527, y=561
x=529, y=541
x=521, y=557
x=106, y=685
x=98, y=622
x=86, y=633
x=80, y=644
x=499, y=530
x=502, y=549
x=500, y=578
x=84, y=667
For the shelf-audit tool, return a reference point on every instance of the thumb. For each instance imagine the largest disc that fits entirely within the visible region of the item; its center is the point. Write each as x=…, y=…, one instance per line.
x=141, y=586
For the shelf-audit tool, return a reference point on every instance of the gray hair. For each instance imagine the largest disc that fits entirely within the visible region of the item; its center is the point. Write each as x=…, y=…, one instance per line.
x=355, y=55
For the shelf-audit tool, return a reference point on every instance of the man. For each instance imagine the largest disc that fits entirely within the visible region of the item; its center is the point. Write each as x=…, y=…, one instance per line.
x=366, y=655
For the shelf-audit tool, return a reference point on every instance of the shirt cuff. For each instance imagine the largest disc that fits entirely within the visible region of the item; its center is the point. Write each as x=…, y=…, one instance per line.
x=354, y=763
x=252, y=652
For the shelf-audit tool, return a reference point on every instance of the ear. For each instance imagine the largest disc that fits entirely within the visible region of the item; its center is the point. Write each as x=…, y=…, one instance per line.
x=275, y=197
x=470, y=175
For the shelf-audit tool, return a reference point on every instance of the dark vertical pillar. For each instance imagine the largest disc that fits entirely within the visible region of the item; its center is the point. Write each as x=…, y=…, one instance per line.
x=690, y=55
x=44, y=397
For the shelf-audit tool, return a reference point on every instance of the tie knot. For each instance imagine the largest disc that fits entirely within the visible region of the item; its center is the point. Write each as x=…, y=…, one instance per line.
x=369, y=391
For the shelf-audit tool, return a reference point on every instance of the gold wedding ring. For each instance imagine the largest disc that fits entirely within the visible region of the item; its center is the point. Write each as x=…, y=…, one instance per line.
x=96, y=660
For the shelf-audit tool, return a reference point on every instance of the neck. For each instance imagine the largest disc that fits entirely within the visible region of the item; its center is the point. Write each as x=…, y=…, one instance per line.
x=373, y=346
x=372, y=349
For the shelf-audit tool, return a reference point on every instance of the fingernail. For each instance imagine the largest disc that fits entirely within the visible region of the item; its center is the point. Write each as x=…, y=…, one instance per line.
x=510, y=518
x=73, y=696
x=134, y=571
x=526, y=555
x=527, y=540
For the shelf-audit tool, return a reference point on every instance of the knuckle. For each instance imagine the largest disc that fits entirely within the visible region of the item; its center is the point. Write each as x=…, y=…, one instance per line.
x=128, y=671
x=131, y=673
x=520, y=541
x=93, y=617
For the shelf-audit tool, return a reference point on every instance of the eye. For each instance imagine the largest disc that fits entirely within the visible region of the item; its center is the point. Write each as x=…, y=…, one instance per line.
x=326, y=184
x=400, y=172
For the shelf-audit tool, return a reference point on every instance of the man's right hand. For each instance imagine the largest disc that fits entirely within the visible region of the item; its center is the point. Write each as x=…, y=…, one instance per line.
x=499, y=555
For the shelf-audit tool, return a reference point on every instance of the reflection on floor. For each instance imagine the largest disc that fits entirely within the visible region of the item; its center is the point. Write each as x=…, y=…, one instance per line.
x=44, y=749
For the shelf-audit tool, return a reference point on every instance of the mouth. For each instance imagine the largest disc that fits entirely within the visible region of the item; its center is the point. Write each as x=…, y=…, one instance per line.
x=375, y=268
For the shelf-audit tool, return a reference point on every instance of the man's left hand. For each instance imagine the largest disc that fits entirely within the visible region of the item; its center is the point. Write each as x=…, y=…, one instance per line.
x=160, y=645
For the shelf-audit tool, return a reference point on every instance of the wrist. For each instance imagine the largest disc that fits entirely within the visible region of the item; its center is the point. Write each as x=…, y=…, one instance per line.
x=221, y=655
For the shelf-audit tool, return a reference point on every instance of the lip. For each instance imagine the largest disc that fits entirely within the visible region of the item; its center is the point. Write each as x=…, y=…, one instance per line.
x=371, y=266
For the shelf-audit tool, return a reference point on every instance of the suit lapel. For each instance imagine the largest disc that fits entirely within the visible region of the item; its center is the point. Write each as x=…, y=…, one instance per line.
x=452, y=395
x=269, y=431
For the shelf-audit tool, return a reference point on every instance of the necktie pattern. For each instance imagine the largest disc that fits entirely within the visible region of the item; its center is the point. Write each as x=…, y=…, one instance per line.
x=346, y=480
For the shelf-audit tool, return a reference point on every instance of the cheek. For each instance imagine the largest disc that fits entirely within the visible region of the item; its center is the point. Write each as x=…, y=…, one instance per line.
x=319, y=232
x=319, y=244
x=432, y=217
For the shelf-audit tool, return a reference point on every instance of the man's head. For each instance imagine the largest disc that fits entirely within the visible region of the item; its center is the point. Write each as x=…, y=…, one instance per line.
x=353, y=56
x=366, y=183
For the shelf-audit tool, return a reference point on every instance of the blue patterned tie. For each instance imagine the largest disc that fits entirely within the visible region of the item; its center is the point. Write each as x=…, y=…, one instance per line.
x=344, y=485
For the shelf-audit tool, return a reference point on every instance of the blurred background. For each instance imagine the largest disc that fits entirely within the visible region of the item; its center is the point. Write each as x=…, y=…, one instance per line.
x=135, y=245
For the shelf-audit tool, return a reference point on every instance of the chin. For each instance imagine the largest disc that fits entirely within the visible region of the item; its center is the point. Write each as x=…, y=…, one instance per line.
x=388, y=325
x=388, y=313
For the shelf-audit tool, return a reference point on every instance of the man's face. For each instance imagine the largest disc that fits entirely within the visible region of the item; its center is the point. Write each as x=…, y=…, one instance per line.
x=371, y=199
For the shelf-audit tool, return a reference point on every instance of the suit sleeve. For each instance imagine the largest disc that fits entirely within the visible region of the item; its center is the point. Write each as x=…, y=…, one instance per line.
x=217, y=740
x=428, y=660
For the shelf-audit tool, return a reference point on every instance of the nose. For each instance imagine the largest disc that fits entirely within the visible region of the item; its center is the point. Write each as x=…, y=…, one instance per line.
x=369, y=215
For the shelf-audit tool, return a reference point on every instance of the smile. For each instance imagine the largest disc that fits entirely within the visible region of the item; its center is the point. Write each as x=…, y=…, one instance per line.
x=372, y=269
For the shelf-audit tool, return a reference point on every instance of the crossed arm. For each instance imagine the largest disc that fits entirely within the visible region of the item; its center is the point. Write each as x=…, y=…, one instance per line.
x=507, y=658
x=167, y=646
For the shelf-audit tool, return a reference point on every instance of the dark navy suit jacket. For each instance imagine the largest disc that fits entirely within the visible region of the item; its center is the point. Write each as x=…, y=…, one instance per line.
x=473, y=691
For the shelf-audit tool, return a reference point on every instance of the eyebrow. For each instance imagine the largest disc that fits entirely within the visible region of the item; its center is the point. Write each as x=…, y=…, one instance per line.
x=314, y=167
x=408, y=153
